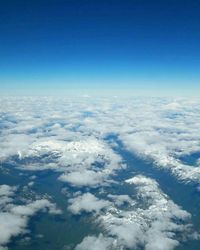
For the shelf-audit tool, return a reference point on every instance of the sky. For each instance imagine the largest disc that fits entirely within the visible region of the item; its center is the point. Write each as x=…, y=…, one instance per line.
x=139, y=46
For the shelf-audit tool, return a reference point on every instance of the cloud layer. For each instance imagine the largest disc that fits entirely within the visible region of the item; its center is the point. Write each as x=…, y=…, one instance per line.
x=159, y=129
x=79, y=139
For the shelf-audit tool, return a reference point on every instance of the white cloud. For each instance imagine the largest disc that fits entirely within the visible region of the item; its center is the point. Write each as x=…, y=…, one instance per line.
x=163, y=131
x=6, y=193
x=159, y=129
x=46, y=133
x=77, y=160
x=83, y=178
x=6, y=190
x=152, y=220
x=97, y=243
x=87, y=203
x=120, y=199
x=14, y=218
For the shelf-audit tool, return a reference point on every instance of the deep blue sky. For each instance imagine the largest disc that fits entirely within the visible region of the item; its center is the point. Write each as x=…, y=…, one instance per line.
x=138, y=44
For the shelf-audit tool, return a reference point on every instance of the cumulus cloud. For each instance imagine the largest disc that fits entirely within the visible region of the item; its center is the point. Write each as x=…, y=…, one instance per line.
x=151, y=220
x=83, y=178
x=6, y=190
x=14, y=218
x=87, y=203
x=86, y=162
x=6, y=193
x=97, y=243
x=71, y=137
x=63, y=132
x=163, y=132
x=120, y=199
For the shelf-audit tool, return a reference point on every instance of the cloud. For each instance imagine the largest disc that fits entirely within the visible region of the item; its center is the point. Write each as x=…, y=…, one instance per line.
x=78, y=138
x=149, y=220
x=32, y=208
x=6, y=190
x=87, y=203
x=120, y=200
x=6, y=193
x=83, y=178
x=152, y=220
x=14, y=218
x=97, y=243
x=163, y=132
x=87, y=162
x=55, y=132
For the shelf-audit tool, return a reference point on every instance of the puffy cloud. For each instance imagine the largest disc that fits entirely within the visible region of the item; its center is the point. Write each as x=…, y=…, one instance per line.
x=161, y=155
x=14, y=218
x=87, y=203
x=152, y=220
x=160, y=242
x=6, y=193
x=149, y=220
x=69, y=136
x=14, y=144
x=32, y=208
x=97, y=243
x=49, y=129
x=164, y=131
x=87, y=162
x=83, y=178
x=120, y=199
x=6, y=190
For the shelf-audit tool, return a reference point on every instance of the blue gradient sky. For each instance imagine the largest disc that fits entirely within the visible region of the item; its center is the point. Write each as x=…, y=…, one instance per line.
x=141, y=46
